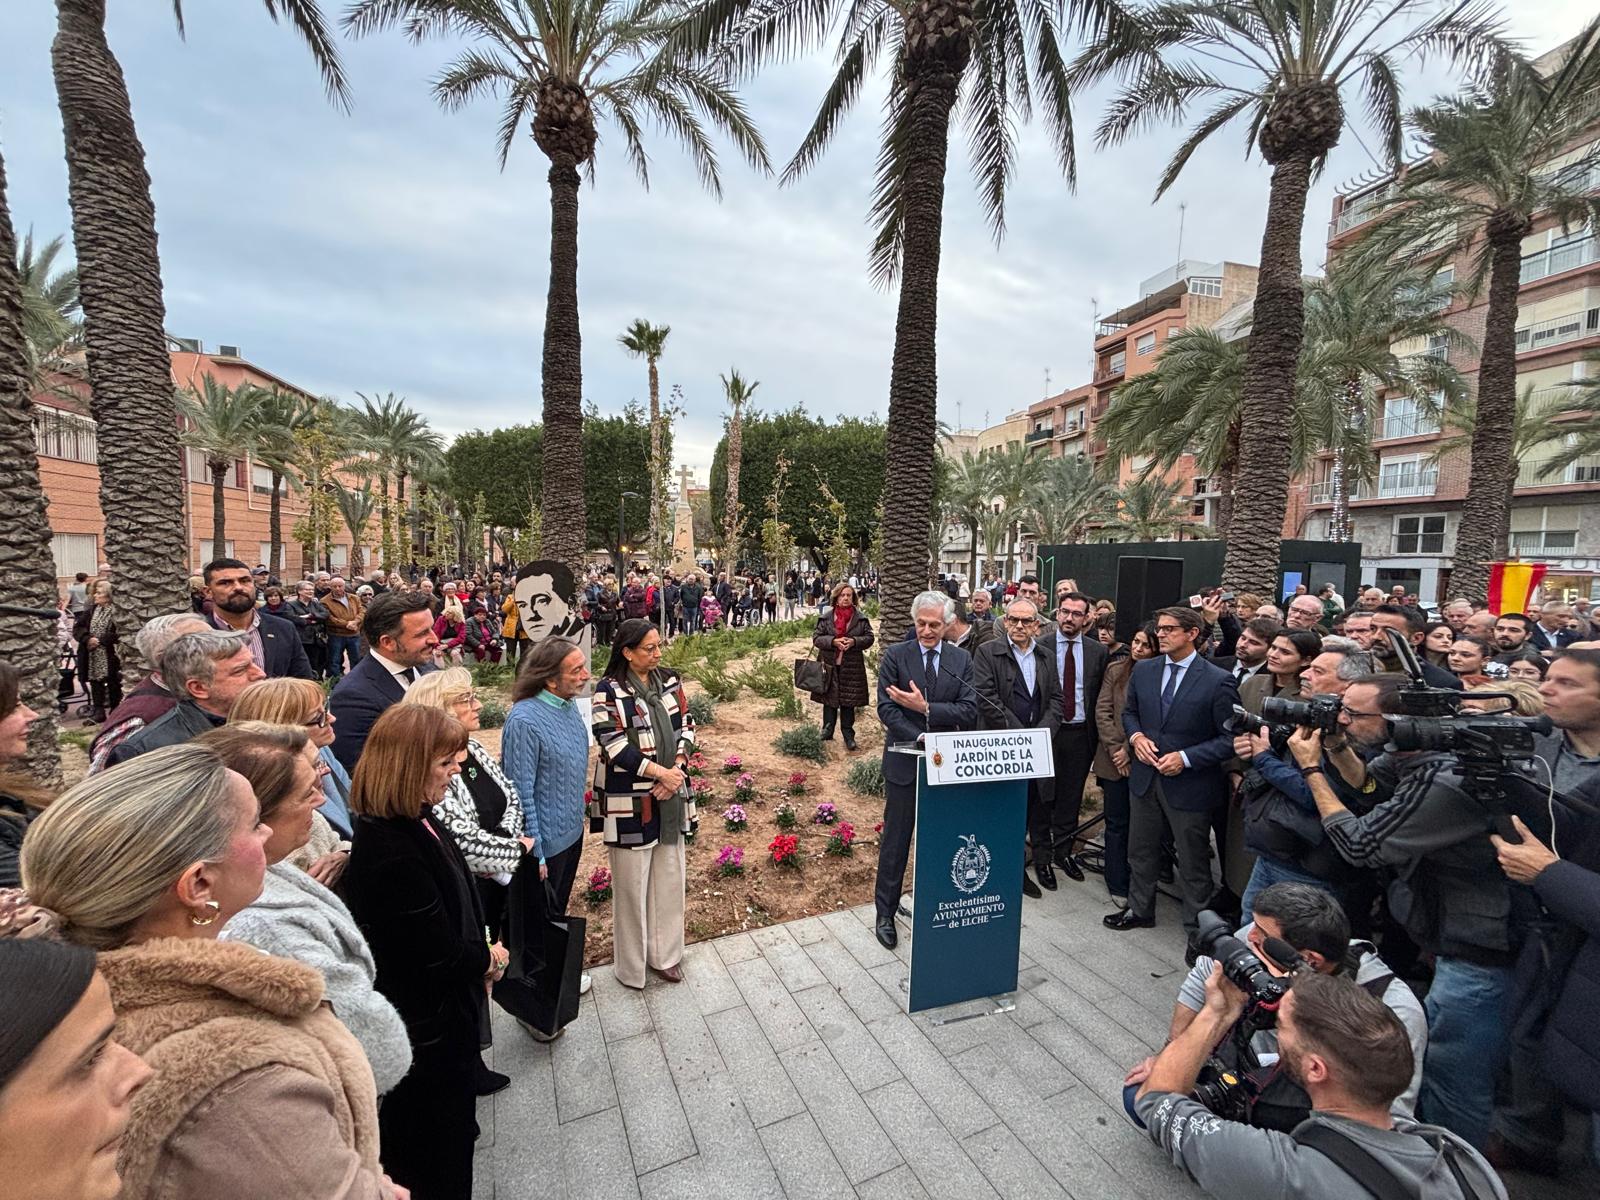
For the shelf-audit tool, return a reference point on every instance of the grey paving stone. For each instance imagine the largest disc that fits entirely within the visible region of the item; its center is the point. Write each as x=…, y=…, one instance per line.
x=807, y=931
x=1131, y=1153
x=1112, y=1037
x=483, y=1172
x=842, y=969
x=623, y=1013
x=595, y=1160
x=582, y=1068
x=943, y=1090
x=937, y=1160
x=1039, y=1071
x=847, y=1125
x=708, y=978
x=682, y=1032
x=803, y=1161
x=775, y=1011
x=527, y=1152
x=685, y=1179
x=1009, y=1168
x=484, y=1114
x=1066, y=970
x=762, y=1083
x=1083, y=1058
x=858, y=939
x=1149, y=1027
x=736, y=1165
x=898, y=1184
x=658, y=1130
x=893, y=979
x=854, y=1049
x=786, y=957
x=738, y=947
x=1044, y=1130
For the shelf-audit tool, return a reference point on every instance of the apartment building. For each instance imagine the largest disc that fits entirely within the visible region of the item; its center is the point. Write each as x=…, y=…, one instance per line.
x=1059, y=425
x=1407, y=519
x=955, y=547
x=64, y=435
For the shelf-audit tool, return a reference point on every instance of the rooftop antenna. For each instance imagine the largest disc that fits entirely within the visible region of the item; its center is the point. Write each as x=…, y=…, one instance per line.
x=1094, y=319
x=959, y=425
x=1047, y=383
x=1182, y=210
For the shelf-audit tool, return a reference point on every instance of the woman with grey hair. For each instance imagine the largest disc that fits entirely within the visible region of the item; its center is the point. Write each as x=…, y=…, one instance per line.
x=259, y=1090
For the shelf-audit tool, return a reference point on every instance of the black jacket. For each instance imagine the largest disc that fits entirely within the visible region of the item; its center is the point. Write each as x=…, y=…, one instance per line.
x=1572, y=1038
x=995, y=676
x=183, y=723
x=282, y=651
x=14, y=815
x=310, y=618
x=413, y=897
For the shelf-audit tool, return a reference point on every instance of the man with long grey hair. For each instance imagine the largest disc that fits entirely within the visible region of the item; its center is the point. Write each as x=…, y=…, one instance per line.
x=924, y=686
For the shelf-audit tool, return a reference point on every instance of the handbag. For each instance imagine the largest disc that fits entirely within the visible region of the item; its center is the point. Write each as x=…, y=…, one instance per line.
x=810, y=675
x=540, y=985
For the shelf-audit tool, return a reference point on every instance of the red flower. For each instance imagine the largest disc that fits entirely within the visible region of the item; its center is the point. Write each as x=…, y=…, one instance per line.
x=878, y=828
x=784, y=847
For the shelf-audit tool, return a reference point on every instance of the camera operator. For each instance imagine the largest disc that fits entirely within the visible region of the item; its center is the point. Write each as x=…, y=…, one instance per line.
x=1434, y=832
x=1311, y=921
x=1352, y=1057
x=1281, y=824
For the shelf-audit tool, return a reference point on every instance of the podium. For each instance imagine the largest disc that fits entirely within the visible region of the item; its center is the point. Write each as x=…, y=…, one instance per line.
x=972, y=815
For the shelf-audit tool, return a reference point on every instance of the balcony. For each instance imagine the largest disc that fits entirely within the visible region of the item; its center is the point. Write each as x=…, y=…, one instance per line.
x=1358, y=212
x=1115, y=368
x=1409, y=482
x=1107, y=328
x=1042, y=434
x=1554, y=399
x=1405, y=425
x=1072, y=429
x=1557, y=331
x=1554, y=261
x=1585, y=470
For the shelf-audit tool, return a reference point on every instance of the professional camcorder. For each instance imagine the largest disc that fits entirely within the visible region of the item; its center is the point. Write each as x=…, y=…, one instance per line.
x=1283, y=716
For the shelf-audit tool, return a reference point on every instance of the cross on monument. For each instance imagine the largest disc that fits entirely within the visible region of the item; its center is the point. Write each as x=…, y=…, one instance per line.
x=685, y=482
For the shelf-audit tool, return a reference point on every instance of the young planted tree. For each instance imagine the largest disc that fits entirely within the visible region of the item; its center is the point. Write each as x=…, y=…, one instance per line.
x=278, y=413
x=564, y=65
x=737, y=393
x=220, y=422
x=1285, y=69
x=356, y=507
x=26, y=562
x=1151, y=509
x=970, y=497
x=649, y=342
x=1478, y=195
x=130, y=372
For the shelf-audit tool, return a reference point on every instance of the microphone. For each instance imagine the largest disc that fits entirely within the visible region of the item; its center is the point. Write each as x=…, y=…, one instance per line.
x=1284, y=955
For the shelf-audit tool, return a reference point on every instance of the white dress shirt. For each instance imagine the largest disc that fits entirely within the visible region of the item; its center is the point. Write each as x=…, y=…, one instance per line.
x=1027, y=664
x=404, y=676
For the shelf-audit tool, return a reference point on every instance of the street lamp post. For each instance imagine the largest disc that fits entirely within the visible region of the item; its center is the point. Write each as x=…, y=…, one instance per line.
x=622, y=546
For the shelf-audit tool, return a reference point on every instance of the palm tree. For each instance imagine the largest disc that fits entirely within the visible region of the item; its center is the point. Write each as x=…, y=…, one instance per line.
x=565, y=64
x=220, y=422
x=51, y=326
x=1479, y=193
x=130, y=371
x=1283, y=67
x=400, y=445
x=988, y=61
x=356, y=507
x=971, y=490
x=995, y=525
x=1151, y=509
x=1017, y=476
x=737, y=393
x=277, y=415
x=26, y=562
x=1067, y=500
x=325, y=439
x=649, y=342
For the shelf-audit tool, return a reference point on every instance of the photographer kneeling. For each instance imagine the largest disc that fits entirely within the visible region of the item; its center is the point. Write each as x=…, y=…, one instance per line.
x=1352, y=1057
x=1310, y=921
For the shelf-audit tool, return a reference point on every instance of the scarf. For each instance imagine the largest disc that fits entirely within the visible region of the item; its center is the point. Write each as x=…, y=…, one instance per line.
x=99, y=626
x=841, y=621
x=649, y=691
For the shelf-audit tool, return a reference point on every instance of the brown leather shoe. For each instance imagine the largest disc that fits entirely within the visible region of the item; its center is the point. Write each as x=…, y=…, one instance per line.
x=670, y=974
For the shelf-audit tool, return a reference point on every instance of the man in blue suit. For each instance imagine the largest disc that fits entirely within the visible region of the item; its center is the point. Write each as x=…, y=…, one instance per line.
x=924, y=686
x=274, y=641
x=398, y=627
x=1176, y=718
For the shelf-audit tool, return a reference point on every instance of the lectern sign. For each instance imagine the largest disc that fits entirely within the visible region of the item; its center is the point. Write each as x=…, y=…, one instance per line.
x=989, y=757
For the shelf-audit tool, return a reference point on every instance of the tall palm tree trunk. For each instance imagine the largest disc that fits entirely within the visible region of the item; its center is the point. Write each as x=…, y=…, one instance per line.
x=730, y=507
x=972, y=528
x=26, y=562
x=935, y=57
x=1339, y=525
x=402, y=522
x=561, y=493
x=119, y=279
x=658, y=491
x=275, y=528
x=386, y=535
x=219, y=510
x=1261, y=486
x=1486, y=511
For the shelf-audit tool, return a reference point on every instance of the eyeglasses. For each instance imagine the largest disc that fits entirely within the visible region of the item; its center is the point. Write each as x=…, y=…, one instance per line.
x=467, y=698
x=318, y=718
x=1169, y=628
x=1022, y=620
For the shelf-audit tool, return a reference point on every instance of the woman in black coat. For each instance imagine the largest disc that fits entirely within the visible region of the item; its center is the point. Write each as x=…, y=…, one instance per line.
x=842, y=637
x=98, y=665
x=410, y=891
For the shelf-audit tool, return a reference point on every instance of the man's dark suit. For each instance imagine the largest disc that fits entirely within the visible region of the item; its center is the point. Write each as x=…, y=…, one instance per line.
x=357, y=701
x=1074, y=745
x=1005, y=703
x=952, y=705
x=1542, y=639
x=282, y=651
x=1196, y=724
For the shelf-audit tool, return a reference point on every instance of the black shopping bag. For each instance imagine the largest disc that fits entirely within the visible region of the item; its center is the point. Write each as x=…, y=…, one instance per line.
x=540, y=985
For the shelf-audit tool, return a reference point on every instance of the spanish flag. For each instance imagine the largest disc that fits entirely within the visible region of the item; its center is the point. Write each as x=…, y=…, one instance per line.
x=1511, y=584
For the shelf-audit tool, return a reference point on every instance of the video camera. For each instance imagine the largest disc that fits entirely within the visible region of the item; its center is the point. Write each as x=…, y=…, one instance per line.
x=1283, y=716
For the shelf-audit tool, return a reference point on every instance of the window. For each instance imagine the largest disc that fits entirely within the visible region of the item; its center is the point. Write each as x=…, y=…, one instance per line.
x=58, y=434
x=1146, y=344
x=75, y=552
x=206, y=554
x=1536, y=530
x=1419, y=535
x=1205, y=285
x=1403, y=416
x=1406, y=476
x=261, y=482
x=339, y=556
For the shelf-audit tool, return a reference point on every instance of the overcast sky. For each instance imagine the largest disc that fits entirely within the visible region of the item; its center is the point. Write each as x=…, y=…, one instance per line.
x=385, y=250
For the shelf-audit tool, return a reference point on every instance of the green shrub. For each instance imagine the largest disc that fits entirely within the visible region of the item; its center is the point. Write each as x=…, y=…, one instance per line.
x=768, y=678
x=716, y=680
x=702, y=709
x=865, y=777
x=789, y=706
x=803, y=741
x=870, y=656
x=492, y=675
x=492, y=715
x=870, y=607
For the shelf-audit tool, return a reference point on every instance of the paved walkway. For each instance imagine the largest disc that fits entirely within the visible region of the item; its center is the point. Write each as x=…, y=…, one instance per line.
x=785, y=1067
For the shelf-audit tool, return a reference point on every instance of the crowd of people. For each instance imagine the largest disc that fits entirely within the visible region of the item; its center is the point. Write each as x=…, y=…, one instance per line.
x=284, y=907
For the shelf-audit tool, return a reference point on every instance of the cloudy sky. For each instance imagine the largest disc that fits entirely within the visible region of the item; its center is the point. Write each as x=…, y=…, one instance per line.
x=384, y=250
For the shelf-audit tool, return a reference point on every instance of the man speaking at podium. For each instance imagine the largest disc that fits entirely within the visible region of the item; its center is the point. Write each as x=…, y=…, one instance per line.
x=924, y=686
x=1015, y=677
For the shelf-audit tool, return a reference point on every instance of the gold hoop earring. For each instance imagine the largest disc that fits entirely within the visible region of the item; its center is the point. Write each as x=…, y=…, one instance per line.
x=216, y=911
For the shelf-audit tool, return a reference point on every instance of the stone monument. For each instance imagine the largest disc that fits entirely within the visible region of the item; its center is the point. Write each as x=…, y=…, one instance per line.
x=683, y=526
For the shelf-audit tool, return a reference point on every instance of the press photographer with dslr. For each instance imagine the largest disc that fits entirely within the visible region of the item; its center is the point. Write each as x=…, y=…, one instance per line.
x=1309, y=921
x=1352, y=1057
